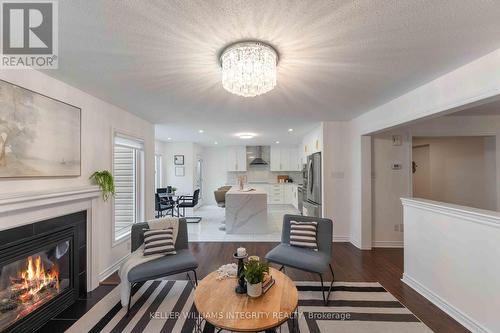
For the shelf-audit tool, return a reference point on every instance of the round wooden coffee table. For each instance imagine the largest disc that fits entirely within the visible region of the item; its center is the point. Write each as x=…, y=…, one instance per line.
x=222, y=307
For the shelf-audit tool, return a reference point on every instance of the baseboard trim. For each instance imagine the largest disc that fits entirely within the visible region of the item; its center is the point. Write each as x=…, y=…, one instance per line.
x=355, y=242
x=392, y=244
x=452, y=311
x=341, y=239
x=111, y=269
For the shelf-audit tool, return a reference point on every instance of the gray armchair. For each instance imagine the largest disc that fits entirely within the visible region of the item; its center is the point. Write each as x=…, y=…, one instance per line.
x=220, y=195
x=318, y=262
x=220, y=198
x=182, y=262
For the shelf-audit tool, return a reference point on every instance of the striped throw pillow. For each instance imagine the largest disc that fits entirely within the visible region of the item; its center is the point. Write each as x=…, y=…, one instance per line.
x=159, y=241
x=303, y=234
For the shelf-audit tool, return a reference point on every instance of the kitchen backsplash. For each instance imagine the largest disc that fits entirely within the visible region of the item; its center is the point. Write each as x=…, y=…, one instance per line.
x=263, y=174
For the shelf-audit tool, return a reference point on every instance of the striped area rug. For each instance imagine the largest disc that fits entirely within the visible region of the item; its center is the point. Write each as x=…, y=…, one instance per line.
x=167, y=306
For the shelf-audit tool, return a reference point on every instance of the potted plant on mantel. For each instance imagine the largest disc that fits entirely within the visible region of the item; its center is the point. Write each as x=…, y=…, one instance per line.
x=255, y=273
x=104, y=179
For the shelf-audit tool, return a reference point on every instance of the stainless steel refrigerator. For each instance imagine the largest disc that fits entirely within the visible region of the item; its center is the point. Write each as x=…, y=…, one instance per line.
x=311, y=205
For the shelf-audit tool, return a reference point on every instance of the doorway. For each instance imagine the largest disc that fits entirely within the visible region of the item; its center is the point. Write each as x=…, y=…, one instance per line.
x=199, y=176
x=460, y=170
x=421, y=171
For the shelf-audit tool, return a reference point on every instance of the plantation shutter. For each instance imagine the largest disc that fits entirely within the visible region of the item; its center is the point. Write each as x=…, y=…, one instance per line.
x=125, y=172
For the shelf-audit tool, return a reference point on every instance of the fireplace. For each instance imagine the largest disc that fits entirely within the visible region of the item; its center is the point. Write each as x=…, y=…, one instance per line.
x=42, y=271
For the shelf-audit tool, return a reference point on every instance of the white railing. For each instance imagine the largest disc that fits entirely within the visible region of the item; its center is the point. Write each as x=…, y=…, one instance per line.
x=451, y=257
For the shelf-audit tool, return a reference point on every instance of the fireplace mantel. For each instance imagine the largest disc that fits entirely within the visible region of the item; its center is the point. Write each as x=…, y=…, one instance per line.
x=13, y=202
x=17, y=209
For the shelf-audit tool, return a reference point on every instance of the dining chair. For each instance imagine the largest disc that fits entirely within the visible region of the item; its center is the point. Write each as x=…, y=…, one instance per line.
x=188, y=201
x=163, y=205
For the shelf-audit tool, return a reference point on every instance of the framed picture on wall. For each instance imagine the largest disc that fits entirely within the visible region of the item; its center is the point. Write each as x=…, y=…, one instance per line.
x=179, y=159
x=179, y=171
x=39, y=135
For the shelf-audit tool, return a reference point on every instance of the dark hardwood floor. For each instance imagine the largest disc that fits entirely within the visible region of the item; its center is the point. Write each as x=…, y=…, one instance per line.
x=381, y=265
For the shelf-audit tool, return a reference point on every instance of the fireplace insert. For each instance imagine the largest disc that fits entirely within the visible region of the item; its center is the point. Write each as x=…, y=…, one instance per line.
x=41, y=271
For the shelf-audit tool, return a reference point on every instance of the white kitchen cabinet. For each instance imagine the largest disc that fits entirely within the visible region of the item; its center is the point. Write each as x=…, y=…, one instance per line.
x=275, y=163
x=276, y=196
x=295, y=196
x=287, y=194
x=236, y=159
x=279, y=194
x=284, y=158
x=295, y=164
x=241, y=158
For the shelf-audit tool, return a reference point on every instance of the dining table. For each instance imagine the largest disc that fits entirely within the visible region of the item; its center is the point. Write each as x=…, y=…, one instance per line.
x=166, y=198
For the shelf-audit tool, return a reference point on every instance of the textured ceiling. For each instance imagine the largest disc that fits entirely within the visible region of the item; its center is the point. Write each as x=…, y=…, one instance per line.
x=338, y=59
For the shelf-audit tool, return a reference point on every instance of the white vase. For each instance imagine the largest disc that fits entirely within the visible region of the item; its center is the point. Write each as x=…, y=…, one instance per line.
x=254, y=290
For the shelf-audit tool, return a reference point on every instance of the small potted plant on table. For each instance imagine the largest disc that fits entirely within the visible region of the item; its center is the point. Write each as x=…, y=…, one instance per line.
x=255, y=273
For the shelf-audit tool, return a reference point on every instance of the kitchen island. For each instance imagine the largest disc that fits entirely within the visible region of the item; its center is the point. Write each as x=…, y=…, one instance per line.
x=246, y=211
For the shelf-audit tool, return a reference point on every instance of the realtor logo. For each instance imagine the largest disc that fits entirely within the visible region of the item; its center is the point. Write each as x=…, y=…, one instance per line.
x=29, y=34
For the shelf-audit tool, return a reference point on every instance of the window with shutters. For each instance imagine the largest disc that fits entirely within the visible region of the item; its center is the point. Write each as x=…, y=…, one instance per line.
x=128, y=172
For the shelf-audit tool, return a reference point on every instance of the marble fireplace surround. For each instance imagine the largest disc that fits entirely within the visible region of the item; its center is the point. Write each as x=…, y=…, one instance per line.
x=18, y=209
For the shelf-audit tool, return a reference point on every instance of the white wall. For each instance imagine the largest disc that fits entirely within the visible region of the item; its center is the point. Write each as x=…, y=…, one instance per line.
x=388, y=185
x=452, y=126
x=468, y=85
x=461, y=170
x=332, y=140
x=160, y=149
x=99, y=119
x=312, y=142
x=492, y=168
x=451, y=257
x=335, y=177
x=214, y=162
x=471, y=84
x=184, y=184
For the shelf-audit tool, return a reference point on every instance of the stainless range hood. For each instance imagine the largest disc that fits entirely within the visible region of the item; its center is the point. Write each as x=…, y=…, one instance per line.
x=258, y=160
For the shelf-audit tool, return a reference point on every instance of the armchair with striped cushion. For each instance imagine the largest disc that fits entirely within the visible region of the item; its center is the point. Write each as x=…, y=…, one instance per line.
x=291, y=253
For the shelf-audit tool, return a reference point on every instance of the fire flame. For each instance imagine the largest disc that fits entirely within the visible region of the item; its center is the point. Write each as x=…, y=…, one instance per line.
x=35, y=278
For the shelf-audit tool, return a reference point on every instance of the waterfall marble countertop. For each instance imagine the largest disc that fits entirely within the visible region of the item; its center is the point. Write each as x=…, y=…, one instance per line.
x=246, y=211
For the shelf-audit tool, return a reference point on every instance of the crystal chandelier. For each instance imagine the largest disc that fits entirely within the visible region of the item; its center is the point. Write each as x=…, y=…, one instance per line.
x=249, y=68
